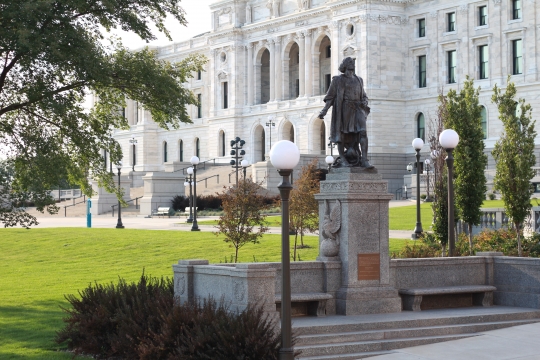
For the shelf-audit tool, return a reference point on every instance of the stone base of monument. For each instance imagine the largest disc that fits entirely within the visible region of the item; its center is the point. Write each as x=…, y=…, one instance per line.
x=353, y=208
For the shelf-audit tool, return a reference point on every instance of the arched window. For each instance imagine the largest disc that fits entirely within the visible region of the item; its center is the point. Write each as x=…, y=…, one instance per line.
x=265, y=77
x=294, y=72
x=164, y=151
x=323, y=69
x=222, y=143
x=421, y=127
x=483, y=113
x=181, y=150
x=322, y=134
x=291, y=134
x=197, y=148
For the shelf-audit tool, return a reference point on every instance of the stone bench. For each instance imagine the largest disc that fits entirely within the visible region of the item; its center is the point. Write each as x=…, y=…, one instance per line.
x=447, y=297
x=313, y=304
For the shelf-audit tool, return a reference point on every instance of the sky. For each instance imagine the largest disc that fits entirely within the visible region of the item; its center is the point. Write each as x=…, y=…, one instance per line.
x=199, y=21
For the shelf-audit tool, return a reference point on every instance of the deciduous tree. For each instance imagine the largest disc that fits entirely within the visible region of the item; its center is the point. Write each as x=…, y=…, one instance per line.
x=53, y=54
x=514, y=156
x=243, y=221
x=303, y=208
x=464, y=116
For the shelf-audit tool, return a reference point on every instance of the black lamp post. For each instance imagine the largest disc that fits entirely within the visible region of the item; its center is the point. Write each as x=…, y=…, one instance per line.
x=284, y=156
x=119, y=224
x=133, y=141
x=270, y=123
x=244, y=164
x=449, y=140
x=194, y=161
x=237, y=152
x=331, y=145
x=427, y=162
x=189, y=183
x=417, y=145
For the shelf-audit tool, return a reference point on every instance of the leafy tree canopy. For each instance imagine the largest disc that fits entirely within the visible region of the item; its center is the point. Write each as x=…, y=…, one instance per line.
x=53, y=54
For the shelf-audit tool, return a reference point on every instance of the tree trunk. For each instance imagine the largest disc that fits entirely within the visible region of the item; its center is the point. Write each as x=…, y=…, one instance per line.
x=295, y=242
x=236, y=254
x=470, y=240
x=518, y=231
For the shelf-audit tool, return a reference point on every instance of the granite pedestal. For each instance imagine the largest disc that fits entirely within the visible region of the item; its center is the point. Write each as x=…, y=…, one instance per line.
x=362, y=240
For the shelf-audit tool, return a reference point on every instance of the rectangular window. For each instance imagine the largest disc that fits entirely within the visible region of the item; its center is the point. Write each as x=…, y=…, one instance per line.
x=484, y=61
x=517, y=57
x=327, y=80
x=422, y=71
x=482, y=15
x=328, y=51
x=451, y=21
x=297, y=86
x=516, y=9
x=421, y=27
x=452, y=61
x=199, y=75
x=199, y=106
x=225, y=95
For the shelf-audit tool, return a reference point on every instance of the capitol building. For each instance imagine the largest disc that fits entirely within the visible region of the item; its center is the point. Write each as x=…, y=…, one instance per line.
x=271, y=62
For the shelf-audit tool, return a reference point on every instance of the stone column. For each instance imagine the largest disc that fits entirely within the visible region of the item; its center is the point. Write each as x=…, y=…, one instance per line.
x=308, y=65
x=356, y=200
x=302, y=67
x=233, y=79
x=213, y=82
x=250, y=82
x=334, y=27
x=272, y=70
x=279, y=71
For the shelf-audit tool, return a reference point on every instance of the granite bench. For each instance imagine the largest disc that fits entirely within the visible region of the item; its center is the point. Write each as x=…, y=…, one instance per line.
x=449, y=296
x=313, y=304
x=162, y=211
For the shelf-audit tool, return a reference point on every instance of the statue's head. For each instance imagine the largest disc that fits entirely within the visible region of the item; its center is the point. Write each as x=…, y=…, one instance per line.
x=347, y=64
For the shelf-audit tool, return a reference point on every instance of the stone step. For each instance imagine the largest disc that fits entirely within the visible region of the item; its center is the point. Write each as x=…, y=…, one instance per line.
x=330, y=350
x=354, y=356
x=373, y=335
x=307, y=326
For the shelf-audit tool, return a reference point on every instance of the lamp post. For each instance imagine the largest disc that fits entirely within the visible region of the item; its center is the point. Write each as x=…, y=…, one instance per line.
x=418, y=144
x=331, y=145
x=329, y=161
x=194, y=161
x=270, y=123
x=133, y=141
x=190, y=184
x=119, y=224
x=449, y=140
x=405, y=186
x=236, y=151
x=284, y=156
x=244, y=164
x=427, y=162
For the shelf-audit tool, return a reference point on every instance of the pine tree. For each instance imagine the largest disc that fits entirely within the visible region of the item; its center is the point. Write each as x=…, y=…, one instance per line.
x=514, y=156
x=464, y=116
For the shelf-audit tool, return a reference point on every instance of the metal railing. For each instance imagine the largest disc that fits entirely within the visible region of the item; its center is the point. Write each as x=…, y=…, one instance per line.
x=131, y=200
x=205, y=180
x=74, y=203
x=400, y=192
x=203, y=163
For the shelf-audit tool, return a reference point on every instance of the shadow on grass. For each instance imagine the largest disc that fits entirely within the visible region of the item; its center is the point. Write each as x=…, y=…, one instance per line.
x=28, y=331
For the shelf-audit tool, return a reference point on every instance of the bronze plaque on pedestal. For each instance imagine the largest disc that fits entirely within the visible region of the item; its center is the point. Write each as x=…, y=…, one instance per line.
x=369, y=266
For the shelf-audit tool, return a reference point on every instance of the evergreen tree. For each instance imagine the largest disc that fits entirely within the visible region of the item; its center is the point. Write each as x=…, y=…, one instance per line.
x=464, y=116
x=514, y=156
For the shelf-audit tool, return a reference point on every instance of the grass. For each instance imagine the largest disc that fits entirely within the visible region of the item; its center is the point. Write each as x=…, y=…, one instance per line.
x=39, y=266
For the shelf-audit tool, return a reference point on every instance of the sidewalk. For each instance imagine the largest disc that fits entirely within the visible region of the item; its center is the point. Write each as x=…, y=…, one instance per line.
x=518, y=342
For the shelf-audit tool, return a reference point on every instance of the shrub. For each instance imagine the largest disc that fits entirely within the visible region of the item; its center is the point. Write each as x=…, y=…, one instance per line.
x=423, y=196
x=180, y=202
x=491, y=196
x=141, y=321
x=425, y=247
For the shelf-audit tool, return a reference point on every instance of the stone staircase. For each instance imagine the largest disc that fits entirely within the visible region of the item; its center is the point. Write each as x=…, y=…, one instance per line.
x=363, y=336
x=211, y=186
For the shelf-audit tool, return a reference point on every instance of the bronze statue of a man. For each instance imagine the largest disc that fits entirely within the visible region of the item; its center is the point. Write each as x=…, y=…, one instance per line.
x=348, y=128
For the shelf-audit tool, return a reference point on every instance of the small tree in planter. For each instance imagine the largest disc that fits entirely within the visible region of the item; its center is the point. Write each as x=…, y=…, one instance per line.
x=243, y=221
x=514, y=156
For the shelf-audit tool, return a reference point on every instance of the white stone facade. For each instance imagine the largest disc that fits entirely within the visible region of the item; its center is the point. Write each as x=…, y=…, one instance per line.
x=275, y=57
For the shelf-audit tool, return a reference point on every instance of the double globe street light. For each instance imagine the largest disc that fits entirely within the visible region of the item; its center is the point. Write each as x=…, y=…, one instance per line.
x=119, y=224
x=418, y=144
x=284, y=156
x=194, y=161
x=189, y=182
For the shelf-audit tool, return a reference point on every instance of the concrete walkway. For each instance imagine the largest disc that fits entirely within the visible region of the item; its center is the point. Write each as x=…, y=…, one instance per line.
x=518, y=342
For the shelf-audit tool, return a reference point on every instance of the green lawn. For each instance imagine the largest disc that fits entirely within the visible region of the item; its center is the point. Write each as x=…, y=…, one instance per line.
x=39, y=266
